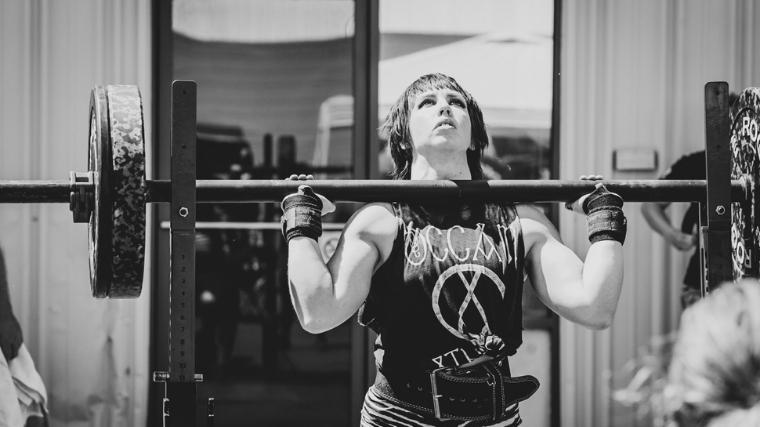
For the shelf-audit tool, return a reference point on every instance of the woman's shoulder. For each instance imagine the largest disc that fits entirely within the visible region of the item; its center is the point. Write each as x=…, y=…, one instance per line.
x=376, y=210
x=376, y=224
x=534, y=222
x=527, y=211
x=374, y=218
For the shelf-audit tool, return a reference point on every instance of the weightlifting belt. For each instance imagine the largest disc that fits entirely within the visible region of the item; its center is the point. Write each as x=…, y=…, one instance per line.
x=478, y=392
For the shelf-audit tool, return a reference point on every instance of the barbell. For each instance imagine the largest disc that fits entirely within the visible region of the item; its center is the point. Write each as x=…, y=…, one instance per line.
x=112, y=195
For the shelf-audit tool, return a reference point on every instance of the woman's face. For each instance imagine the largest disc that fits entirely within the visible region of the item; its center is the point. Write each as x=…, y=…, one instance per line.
x=439, y=120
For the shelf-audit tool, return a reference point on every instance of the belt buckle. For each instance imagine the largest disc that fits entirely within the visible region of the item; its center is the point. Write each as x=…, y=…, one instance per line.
x=494, y=380
x=491, y=382
x=434, y=393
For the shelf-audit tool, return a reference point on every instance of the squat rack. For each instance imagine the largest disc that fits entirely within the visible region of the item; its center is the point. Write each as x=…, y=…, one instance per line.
x=181, y=405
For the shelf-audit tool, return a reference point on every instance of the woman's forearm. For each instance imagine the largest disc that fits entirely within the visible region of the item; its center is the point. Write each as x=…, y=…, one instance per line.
x=310, y=282
x=602, y=283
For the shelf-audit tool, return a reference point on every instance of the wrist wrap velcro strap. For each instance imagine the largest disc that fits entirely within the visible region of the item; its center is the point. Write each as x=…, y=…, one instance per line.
x=302, y=216
x=605, y=217
x=607, y=224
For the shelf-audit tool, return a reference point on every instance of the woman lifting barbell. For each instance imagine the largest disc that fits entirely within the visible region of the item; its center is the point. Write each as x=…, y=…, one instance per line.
x=441, y=282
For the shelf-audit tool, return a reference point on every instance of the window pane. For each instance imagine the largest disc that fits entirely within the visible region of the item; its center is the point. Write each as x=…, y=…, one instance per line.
x=499, y=50
x=274, y=98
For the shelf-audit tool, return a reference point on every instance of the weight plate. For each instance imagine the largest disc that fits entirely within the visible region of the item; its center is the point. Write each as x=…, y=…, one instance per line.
x=99, y=228
x=117, y=160
x=128, y=190
x=745, y=233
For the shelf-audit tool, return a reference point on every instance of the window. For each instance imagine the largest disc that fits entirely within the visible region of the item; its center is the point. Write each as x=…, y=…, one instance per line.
x=298, y=86
x=270, y=76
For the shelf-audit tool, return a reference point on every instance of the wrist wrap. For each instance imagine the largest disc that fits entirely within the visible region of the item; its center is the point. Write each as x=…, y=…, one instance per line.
x=302, y=216
x=604, y=216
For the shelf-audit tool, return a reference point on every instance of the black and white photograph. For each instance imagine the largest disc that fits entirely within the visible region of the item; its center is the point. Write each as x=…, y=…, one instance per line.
x=379, y=213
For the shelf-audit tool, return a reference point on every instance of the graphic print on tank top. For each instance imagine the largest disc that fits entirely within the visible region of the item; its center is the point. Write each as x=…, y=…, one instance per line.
x=470, y=270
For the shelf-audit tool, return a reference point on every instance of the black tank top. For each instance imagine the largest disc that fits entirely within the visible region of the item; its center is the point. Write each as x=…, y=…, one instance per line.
x=451, y=289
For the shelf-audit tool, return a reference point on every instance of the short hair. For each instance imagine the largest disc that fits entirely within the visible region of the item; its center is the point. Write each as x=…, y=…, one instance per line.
x=396, y=126
x=714, y=375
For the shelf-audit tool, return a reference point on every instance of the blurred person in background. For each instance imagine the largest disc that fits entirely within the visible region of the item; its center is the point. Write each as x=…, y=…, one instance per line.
x=684, y=237
x=22, y=393
x=714, y=375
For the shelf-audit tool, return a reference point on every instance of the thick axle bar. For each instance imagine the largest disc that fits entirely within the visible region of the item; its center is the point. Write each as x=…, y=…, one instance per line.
x=241, y=191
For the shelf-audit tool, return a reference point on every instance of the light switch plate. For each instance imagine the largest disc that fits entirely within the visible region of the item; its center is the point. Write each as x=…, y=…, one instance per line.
x=634, y=159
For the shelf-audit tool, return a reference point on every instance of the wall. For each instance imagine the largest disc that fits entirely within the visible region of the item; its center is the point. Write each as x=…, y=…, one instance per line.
x=92, y=354
x=633, y=75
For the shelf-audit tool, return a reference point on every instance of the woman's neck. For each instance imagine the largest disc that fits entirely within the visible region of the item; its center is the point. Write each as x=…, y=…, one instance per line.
x=451, y=167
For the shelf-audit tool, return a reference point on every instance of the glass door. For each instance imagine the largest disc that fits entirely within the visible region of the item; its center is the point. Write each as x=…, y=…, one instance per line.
x=274, y=98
